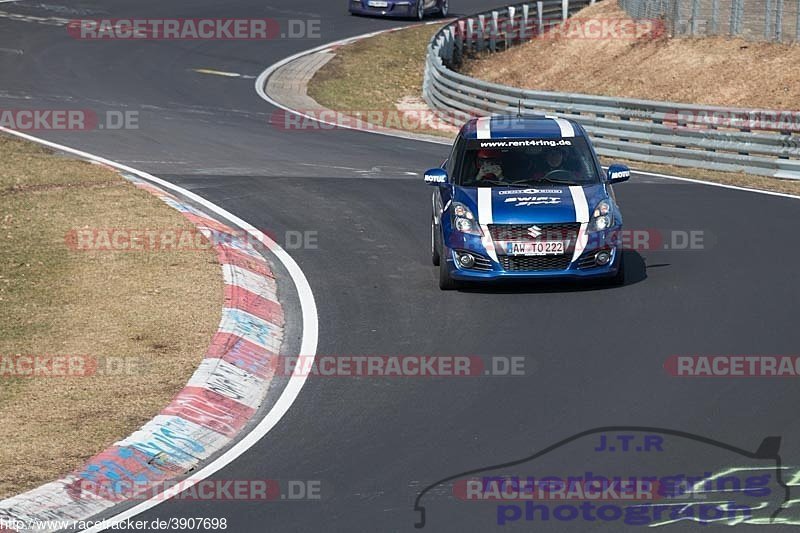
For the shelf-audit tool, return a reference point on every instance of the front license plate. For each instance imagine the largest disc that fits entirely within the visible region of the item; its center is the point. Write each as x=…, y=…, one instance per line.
x=535, y=248
x=377, y=3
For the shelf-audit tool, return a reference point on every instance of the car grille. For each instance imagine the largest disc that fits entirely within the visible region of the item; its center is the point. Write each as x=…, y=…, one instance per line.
x=531, y=263
x=519, y=232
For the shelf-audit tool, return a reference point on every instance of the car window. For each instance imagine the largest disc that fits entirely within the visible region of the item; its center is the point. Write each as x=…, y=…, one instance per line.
x=454, y=156
x=527, y=162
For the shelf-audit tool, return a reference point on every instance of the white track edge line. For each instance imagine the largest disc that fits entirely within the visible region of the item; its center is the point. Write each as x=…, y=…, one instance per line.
x=308, y=345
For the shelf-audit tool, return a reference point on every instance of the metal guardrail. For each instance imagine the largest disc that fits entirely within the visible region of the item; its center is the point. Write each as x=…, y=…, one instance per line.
x=758, y=142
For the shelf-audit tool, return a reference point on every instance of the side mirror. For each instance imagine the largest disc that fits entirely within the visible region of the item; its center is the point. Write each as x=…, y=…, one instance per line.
x=618, y=173
x=435, y=176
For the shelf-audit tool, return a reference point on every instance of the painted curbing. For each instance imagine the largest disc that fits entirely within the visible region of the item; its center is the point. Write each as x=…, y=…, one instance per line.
x=220, y=398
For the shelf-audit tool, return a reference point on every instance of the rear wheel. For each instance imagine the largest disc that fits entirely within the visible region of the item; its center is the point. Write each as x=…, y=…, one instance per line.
x=444, y=8
x=420, y=9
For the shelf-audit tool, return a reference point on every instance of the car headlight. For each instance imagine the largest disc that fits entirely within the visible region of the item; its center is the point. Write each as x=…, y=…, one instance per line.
x=602, y=218
x=464, y=221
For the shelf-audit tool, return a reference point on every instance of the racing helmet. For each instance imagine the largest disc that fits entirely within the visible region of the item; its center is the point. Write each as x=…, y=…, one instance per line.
x=485, y=155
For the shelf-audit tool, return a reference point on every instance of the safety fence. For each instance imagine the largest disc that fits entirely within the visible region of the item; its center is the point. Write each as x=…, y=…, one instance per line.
x=756, y=141
x=760, y=20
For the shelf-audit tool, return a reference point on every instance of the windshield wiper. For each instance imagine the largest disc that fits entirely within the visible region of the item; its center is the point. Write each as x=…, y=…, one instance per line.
x=560, y=182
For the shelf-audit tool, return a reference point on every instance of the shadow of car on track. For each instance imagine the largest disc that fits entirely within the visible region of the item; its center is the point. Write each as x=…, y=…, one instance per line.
x=635, y=272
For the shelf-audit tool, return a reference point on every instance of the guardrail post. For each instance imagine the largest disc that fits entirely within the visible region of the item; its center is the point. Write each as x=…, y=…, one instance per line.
x=677, y=24
x=779, y=21
x=768, y=20
x=564, y=10
x=493, y=30
x=695, y=16
x=797, y=26
x=481, y=32
x=460, y=40
x=715, y=17
x=470, y=33
x=523, y=23
x=449, y=42
x=540, y=17
x=736, y=17
x=512, y=11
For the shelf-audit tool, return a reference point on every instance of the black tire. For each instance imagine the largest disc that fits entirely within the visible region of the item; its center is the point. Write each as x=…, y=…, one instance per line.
x=446, y=283
x=619, y=279
x=420, y=9
x=435, y=256
x=444, y=8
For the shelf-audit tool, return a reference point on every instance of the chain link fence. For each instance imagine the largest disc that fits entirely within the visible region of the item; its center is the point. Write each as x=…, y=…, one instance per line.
x=758, y=20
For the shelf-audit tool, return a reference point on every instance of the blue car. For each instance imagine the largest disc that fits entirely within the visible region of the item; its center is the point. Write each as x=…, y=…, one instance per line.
x=525, y=198
x=399, y=8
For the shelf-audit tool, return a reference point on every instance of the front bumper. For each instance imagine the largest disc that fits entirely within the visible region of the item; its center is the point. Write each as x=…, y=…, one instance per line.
x=393, y=9
x=582, y=267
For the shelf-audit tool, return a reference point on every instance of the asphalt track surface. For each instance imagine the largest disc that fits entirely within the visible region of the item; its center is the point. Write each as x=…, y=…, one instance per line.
x=594, y=355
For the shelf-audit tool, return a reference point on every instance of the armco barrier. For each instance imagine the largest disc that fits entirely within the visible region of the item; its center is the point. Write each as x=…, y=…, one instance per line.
x=758, y=142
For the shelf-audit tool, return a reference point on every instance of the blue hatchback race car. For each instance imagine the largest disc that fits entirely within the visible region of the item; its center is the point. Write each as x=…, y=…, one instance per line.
x=399, y=8
x=525, y=198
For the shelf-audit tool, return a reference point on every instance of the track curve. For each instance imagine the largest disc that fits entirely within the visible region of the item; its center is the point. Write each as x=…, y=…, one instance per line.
x=374, y=443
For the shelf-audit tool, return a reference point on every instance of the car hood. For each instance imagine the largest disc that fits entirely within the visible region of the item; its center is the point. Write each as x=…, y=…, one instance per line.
x=523, y=205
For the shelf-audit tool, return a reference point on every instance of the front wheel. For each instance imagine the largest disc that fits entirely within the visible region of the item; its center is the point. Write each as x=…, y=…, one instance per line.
x=446, y=282
x=444, y=8
x=420, y=9
x=619, y=279
x=435, y=257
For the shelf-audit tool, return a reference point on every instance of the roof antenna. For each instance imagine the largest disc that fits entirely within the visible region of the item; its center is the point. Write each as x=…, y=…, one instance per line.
x=519, y=108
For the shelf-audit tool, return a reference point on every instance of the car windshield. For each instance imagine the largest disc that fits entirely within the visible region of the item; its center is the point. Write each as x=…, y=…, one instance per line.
x=528, y=162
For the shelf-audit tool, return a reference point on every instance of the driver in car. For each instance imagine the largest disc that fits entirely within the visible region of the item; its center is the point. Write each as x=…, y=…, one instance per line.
x=555, y=160
x=489, y=165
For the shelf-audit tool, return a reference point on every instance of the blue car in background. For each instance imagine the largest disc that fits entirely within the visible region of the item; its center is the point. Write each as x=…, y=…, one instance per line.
x=525, y=198
x=399, y=8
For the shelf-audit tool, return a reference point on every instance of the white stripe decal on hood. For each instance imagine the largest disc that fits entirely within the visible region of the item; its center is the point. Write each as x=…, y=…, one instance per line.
x=485, y=205
x=582, y=216
x=484, y=128
x=581, y=205
x=485, y=217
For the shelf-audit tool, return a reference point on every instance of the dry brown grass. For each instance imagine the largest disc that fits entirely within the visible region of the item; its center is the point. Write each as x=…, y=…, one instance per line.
x=378, y=74
x=157, y=310
x=712, y=71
